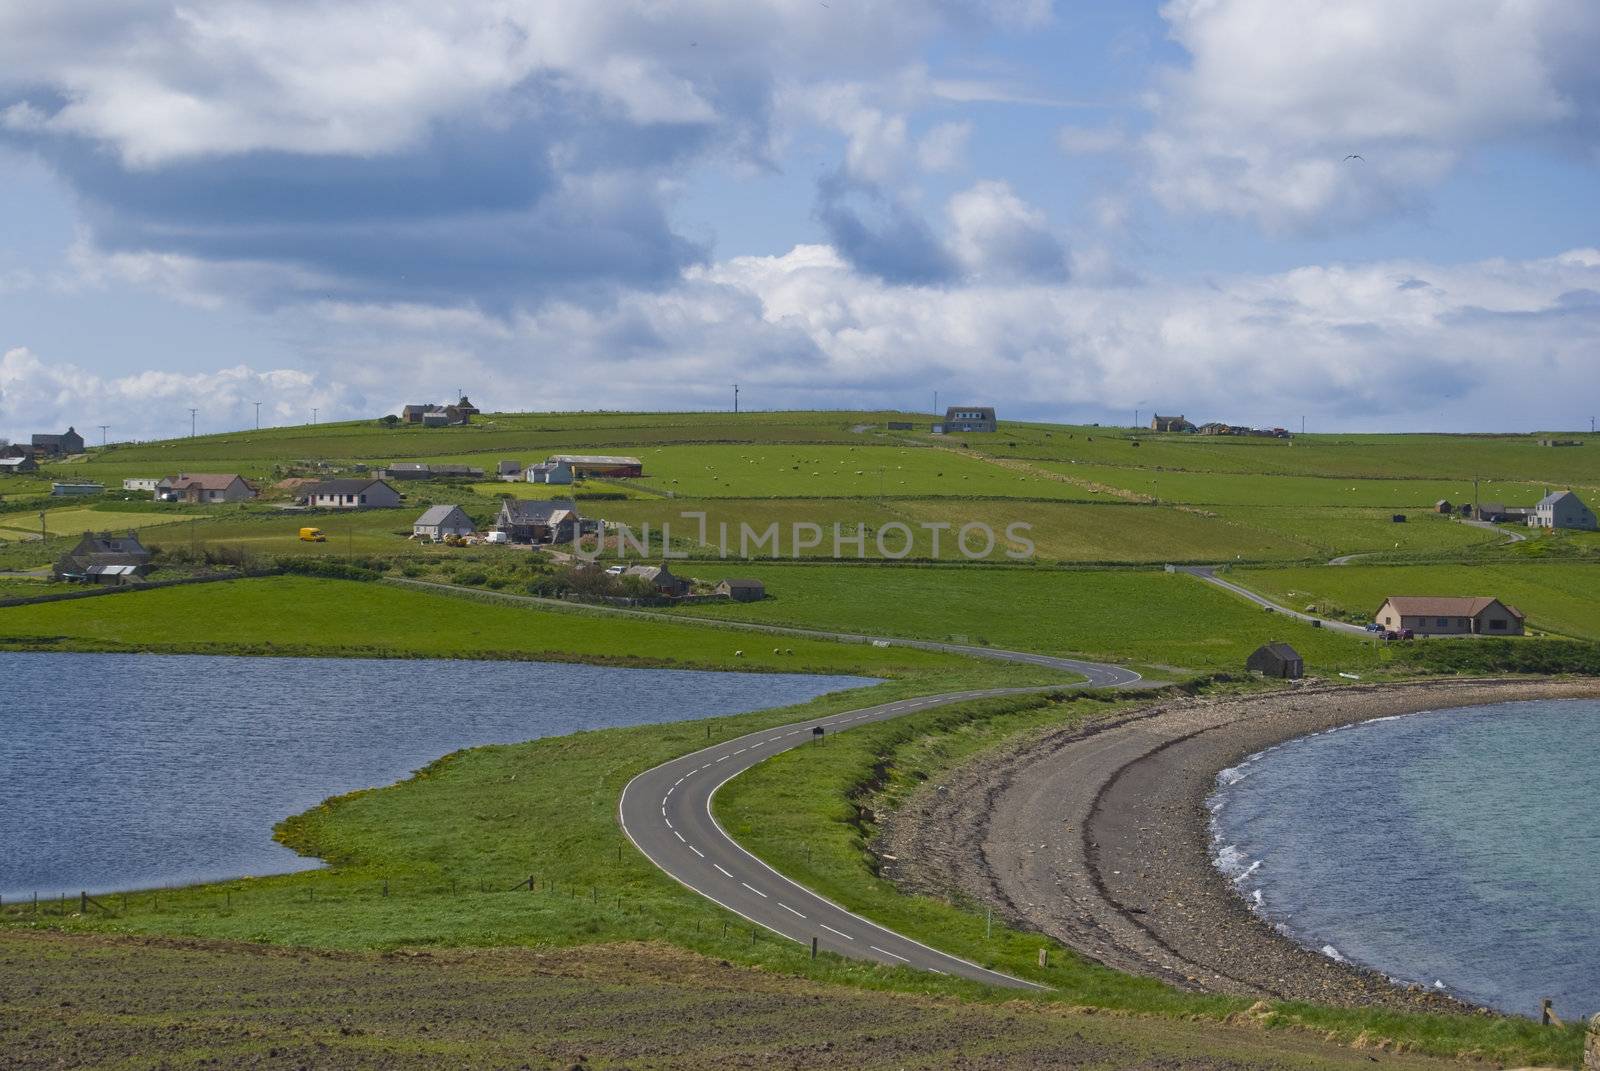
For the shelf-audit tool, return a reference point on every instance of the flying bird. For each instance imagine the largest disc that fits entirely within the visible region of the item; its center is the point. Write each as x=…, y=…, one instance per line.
x=1356, y=156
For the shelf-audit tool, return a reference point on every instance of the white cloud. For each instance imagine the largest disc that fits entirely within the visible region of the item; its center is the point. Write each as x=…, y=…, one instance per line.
x=998, y=236
x=41, y=395
x=944, y=148
x=1091, y=140
x=1278, y=92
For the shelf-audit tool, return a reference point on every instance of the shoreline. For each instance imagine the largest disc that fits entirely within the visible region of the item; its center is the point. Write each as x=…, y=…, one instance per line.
x=1099, y=835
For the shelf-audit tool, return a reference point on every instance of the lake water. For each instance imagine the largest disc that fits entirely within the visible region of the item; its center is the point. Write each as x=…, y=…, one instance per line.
x=130, y=771
x=1456, y=849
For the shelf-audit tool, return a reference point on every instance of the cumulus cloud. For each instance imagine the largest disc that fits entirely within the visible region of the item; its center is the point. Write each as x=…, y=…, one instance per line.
x=1277, y=92
x=410, y=151
x=997, y=236
x=41, y=395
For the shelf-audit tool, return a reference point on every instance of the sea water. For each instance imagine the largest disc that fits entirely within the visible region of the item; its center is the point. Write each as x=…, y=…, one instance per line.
x=1453, y=849
x=131, y=771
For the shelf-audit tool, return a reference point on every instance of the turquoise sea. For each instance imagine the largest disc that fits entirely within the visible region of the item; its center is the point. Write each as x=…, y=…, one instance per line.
x=1456, y=849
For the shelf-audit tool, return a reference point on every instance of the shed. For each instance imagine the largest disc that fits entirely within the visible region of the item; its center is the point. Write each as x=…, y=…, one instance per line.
x=550, y=472
x=509, y=470
x=742, y=589
x=441, y=522
x=1276, y=660
x=660, y=578
x=14, y=465
x=1443, y=506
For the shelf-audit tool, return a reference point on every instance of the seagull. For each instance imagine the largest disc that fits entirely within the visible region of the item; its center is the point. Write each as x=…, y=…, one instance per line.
x=1356, y=156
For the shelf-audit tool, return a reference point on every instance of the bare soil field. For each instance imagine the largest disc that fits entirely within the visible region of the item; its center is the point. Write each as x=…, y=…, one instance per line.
x=78, y=1001
x=1098, y=836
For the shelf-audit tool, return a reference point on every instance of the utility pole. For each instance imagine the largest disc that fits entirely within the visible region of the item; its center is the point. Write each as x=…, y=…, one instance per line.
x=258, y=414
x=313, y=417
x=1302, y=425
x=1475, y=513
x=192, y=412
x=103, y=428
x=935, y=403
x=1136, y=418
x=736, y=397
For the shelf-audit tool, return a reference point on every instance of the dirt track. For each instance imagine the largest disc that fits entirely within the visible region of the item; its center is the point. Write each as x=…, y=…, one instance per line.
x=79, y=1001
x=1097, y=835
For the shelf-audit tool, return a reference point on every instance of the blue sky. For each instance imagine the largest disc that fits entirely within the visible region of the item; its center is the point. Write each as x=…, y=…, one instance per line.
x=1068, y=210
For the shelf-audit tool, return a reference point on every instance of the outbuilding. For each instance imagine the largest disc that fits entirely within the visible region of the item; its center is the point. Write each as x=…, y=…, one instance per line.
x=599, y=464
x=660, y=578
x=558, y=472
x=12, y=466
x=439, y=523
x=742, y=589
x=1276, y=660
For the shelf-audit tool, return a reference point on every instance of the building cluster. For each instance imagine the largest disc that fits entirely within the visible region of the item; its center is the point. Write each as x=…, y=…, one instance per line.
x=1181, y=426
x=17, y=458
x=433, y=415
x=1558, y=509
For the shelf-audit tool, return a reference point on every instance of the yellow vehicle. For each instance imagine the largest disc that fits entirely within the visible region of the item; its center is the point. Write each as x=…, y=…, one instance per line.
x=312, y=535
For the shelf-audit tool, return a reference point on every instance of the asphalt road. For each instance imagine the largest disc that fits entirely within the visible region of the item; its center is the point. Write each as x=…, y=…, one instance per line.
x=1208, y=574
x=666, y=813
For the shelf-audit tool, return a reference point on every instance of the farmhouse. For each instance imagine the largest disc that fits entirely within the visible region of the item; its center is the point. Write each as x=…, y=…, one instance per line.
x=961, y=418
x=598, y=464
x=1432, y=615
x=550, y=472
x=525, y=521
x=1276, y=660
x=68, y=442
x=1170, y=423
x=203, y=487
x=105, y=559
x=431, y=415
x=742, y=589
x=660, y=578
x=1562, y=509
x=350, y=494
x=439, y=523
x=11, y=466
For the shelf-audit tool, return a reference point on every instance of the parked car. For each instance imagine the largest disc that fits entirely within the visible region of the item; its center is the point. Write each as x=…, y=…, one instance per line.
x=497, y=537
x=1373, y=626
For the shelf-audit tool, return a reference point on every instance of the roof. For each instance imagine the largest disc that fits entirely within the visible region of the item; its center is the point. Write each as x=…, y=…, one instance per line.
x=547, y=466
x=1557, y=496
x=593, y=459
x=438, y=514
x=206, y=481
x=1445, y=605
x=986, y=412
x=340, y=487
x=1158, y=416
x=743, y=582
x=14, y=461
x=112, y=570
x=409, y=466
x=51, y=439
x=1280, y=650
x=537, y=511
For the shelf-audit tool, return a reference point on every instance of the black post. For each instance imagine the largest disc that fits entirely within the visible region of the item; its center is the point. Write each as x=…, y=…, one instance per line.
x=385, y=886
x=813, y=948
x=83, y=902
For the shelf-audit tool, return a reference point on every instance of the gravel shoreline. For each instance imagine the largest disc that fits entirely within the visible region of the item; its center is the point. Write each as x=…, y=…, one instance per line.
x=1098, y=835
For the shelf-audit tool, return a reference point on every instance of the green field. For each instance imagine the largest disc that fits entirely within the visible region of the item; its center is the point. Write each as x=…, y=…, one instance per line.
x=1148, y=618
x=1559, y=597
x=75, y=520
x=302, y=616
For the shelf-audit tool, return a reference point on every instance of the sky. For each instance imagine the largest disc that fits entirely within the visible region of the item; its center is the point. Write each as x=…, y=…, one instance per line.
x=1367, y=215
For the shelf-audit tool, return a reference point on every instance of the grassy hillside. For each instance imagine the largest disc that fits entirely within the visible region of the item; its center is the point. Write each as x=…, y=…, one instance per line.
x=1557, y=596
x=298, y=615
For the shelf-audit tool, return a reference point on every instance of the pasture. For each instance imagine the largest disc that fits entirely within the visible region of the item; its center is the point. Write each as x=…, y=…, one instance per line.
x=1143, y=617
x=73, y=521
x=1556, y=596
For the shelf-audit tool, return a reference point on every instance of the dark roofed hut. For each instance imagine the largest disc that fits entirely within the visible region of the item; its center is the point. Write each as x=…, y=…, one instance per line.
x=1276, y=660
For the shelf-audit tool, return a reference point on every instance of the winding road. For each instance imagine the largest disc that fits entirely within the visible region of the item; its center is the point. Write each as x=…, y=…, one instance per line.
x=667, y=813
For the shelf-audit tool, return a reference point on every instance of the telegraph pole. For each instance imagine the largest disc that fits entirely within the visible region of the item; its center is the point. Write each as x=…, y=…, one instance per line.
x=1136, y=418
x=192, y=412
x=736, y=397
x=258, y=414
x=313, y=417
x=103, y=428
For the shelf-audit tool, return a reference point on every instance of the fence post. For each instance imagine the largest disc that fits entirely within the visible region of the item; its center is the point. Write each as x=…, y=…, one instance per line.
x=386, y=886
x=1591, y=1048
x=83, y=902
x=1044, y=957
x=813, y=947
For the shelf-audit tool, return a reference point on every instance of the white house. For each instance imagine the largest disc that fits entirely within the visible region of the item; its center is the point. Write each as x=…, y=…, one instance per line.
x=550, y=472
x=1562, y=509
x=350, y=494
x=441, y=522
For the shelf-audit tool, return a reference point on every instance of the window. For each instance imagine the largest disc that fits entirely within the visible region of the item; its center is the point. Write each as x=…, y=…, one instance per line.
x=1497, y=624
x=1444, y=622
